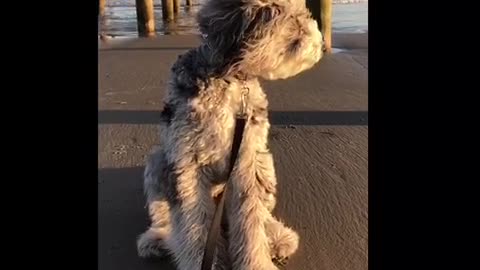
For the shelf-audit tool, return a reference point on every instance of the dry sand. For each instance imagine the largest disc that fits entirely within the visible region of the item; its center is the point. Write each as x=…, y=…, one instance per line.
x=319, y=140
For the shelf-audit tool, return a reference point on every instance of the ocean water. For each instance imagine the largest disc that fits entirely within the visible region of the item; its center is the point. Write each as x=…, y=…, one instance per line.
x=349, y=16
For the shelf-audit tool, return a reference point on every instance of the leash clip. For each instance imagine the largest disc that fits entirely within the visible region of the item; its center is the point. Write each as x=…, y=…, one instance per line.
x=243, y=108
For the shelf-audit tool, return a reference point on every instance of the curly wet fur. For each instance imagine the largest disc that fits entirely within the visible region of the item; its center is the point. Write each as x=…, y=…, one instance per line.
x=244, y=40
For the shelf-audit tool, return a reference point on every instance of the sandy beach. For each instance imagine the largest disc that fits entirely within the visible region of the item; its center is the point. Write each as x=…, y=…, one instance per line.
x=319, y=139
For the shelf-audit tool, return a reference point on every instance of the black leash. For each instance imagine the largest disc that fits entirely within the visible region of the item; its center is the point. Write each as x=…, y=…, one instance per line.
x=216, y=227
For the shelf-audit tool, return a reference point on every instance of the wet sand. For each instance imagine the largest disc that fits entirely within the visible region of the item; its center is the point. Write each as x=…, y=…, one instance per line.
x=318, y=138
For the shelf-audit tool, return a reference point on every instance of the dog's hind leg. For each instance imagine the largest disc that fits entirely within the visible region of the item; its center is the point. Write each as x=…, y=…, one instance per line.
x=152, y=243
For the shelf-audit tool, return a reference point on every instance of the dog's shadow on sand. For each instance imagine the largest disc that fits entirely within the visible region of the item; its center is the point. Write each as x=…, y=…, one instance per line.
x=122, y=216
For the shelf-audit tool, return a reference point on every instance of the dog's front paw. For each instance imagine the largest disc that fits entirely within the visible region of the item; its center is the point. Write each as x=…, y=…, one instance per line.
x=283, y=242
x=149, y=245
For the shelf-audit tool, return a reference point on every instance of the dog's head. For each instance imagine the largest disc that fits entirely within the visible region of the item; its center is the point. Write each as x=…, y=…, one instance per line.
x=274, y=39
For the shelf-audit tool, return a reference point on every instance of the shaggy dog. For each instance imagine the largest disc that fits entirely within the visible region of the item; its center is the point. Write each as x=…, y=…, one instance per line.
x=243, y=40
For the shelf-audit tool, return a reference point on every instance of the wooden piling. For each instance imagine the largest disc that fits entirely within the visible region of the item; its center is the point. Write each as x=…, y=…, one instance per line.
x=176, y=6
x=102, y=7
x=326, y=19
x=167, y=10
x=145, y=17
x=189, y=3
x=322, y=12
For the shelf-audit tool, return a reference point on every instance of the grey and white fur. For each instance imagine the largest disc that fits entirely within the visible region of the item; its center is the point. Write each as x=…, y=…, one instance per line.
x=244, y=40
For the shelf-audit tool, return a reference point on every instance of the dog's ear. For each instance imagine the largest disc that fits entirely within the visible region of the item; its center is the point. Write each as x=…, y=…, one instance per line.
x=229, y=24
x=259, y=18
x=264, y=22
x=223, y=23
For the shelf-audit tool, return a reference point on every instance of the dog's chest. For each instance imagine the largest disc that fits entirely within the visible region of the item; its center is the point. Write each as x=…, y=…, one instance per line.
x=219, y=108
